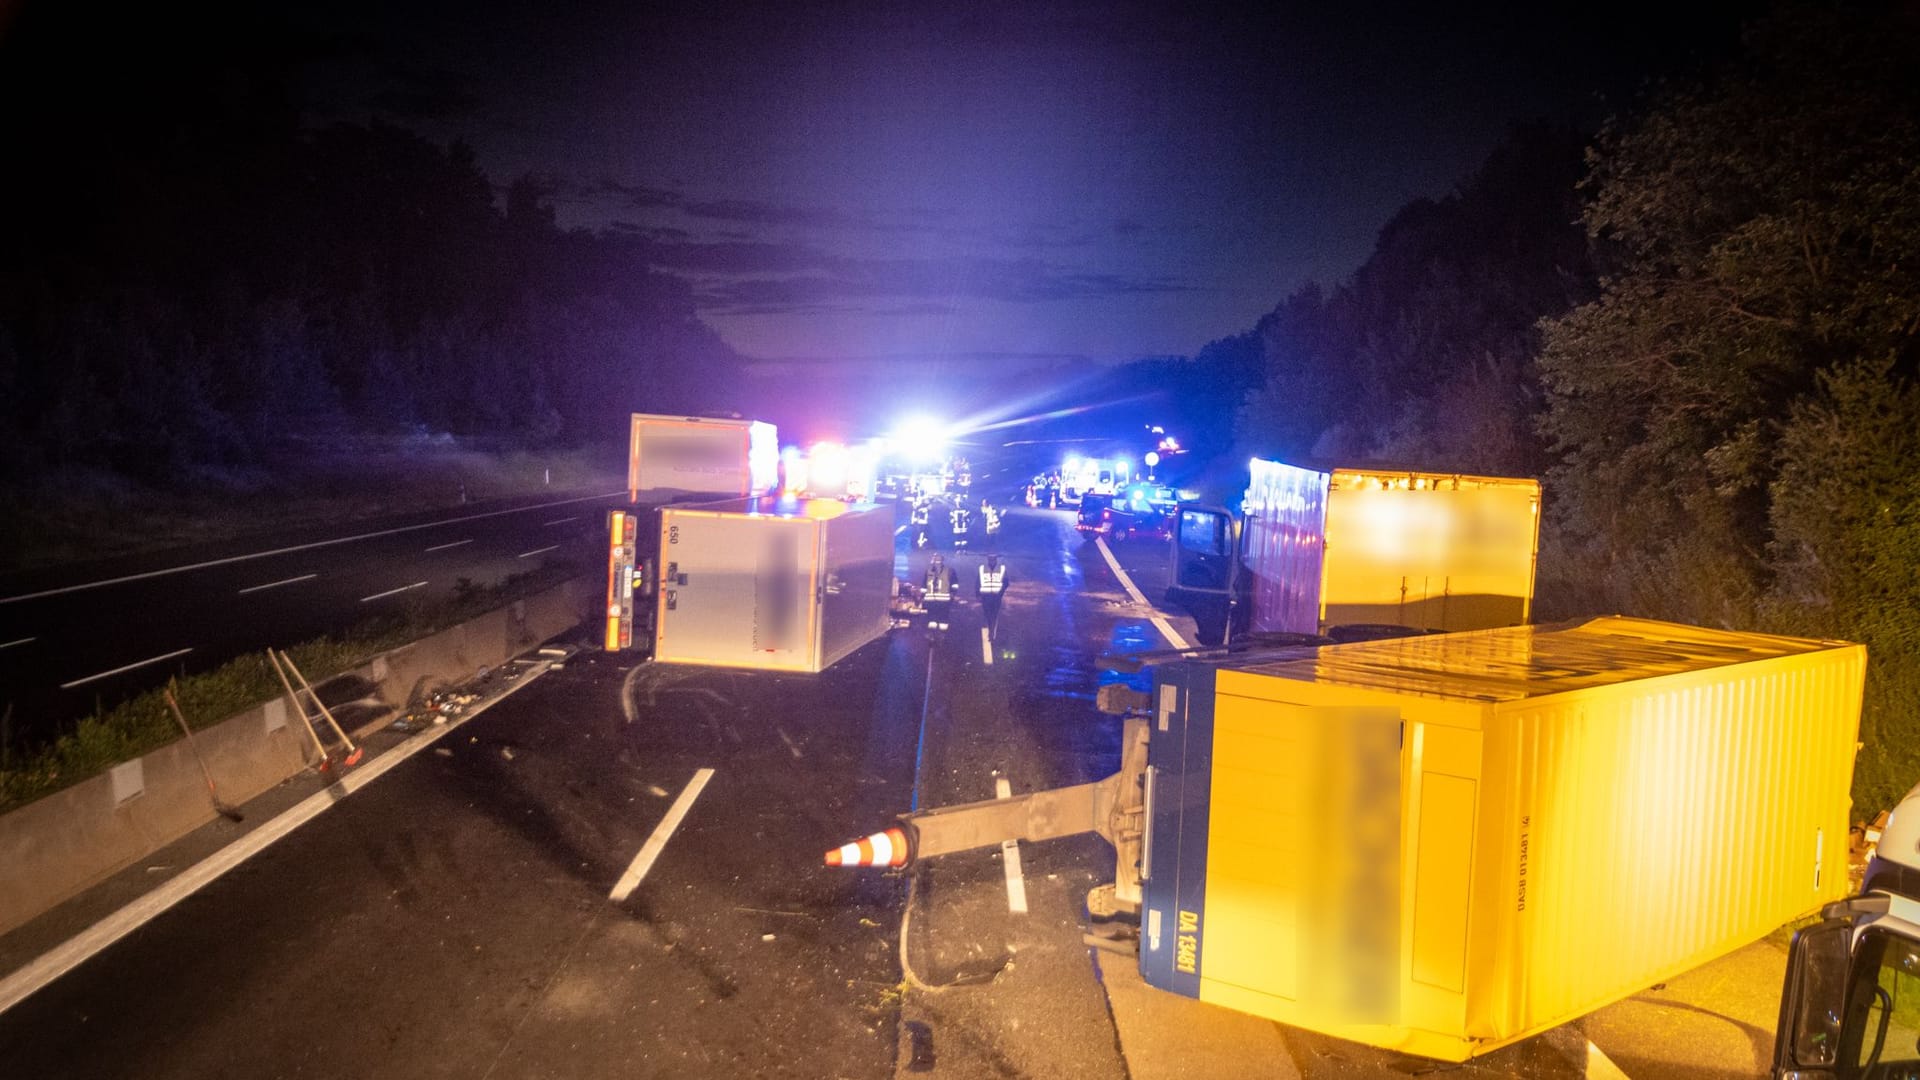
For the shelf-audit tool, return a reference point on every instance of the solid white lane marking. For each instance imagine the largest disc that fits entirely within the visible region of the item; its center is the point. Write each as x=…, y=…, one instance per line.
x=455, y=544
x=986, y=646
x=1166, y=629
x=390, y=592
x=1600, y=1066
x=123, y=579
x=277, y=584
x=657, y=843
x=19, y=641
x=560, y=521
x=539, y=551
x=77, y=950
x=1010, y=857
x=126, y=667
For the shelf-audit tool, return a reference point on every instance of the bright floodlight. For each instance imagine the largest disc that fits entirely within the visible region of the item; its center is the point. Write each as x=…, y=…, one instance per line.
x=1153, y=458
x=921, y=438
x=827, y=468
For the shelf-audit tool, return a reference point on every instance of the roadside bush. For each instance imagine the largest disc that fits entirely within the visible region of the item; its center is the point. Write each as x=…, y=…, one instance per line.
x=143, y=723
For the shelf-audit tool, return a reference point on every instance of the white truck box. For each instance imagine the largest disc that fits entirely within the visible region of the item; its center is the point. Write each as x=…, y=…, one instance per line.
x=781, y=584
x=669, y=456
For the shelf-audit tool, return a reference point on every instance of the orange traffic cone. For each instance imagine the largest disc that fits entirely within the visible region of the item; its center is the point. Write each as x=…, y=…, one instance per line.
x=887, y=848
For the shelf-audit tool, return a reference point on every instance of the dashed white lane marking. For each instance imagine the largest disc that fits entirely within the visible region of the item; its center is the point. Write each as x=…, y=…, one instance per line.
x=390, y=592
x=277, y=584
x=125, y=667
x=657, y=843
x=17, y=641
x=986, y=646
x=1166, y=630
x=455, y=544
x=538, y=551
x=77, y=950
x=123, y=579
x=1010, y=858
x=560, y=521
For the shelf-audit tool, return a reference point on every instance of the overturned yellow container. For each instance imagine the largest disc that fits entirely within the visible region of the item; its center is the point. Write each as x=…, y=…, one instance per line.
x=1442, y=845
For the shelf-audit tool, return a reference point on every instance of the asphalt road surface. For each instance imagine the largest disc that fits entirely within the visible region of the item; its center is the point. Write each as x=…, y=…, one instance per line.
x=457, y=917
x=77, y=638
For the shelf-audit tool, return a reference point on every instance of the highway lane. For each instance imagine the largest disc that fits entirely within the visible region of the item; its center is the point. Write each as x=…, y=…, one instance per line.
x=454, y=919
x=71, y=643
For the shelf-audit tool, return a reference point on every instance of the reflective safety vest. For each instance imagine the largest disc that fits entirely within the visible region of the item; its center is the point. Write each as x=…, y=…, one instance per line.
x=940, y=583
x=992, y=581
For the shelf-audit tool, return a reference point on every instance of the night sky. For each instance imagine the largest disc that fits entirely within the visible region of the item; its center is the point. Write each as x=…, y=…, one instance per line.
x=1036, y=180
x=1046, y=181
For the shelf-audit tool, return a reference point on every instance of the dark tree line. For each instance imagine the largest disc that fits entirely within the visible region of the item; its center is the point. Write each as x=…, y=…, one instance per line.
x=188, y=275
x=1425, y=356
x=1705, y=336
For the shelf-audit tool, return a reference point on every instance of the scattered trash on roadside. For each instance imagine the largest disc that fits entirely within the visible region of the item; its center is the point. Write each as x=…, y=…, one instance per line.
x=656, y=791
x=766, y=937
x=507, y=752
x=443, y=751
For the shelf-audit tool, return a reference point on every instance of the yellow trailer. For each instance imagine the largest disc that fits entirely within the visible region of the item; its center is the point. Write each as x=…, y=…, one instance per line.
x=1445, y=844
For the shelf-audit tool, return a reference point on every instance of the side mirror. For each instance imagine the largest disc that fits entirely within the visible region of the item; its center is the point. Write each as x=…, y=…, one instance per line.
x=1813, y=1002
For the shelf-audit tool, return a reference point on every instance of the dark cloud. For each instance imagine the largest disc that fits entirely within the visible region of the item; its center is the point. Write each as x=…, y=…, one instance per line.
x=635, y=195
x=753, y=212
x=659, y=233
x=817, y=281
x=750, y=257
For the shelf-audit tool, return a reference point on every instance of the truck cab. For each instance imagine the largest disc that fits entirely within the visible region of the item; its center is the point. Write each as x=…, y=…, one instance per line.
x=1850, y=1008
x=1207, y=580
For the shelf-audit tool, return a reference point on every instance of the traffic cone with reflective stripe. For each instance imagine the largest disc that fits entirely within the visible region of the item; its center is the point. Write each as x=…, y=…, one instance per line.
x=887, y=848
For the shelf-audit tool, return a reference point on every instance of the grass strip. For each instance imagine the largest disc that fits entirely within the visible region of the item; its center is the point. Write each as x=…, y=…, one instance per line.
x=143, y=724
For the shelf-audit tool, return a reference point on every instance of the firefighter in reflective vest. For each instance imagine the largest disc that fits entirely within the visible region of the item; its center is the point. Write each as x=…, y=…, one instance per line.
x=939, y=596
x=918, y=519
x=993, y=585
x=962, y=520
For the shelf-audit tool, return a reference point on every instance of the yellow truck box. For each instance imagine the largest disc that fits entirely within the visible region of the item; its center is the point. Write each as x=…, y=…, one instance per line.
x=1436, y=551
x=1445, y=844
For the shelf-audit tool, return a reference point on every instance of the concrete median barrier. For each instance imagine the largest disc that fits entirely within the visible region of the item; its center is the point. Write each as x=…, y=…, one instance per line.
x=56, y=847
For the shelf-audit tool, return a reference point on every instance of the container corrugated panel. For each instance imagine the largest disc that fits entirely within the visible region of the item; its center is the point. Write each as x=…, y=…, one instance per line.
x=1567, y=816
x=1286, y=516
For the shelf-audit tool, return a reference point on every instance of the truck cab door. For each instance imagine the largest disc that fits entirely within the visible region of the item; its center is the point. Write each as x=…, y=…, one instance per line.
x=1807, y=1041
x=1205, y=578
